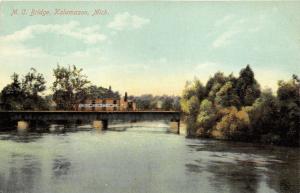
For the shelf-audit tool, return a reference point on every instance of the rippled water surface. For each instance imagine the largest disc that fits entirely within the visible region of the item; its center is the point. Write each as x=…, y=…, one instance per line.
x=142, y=159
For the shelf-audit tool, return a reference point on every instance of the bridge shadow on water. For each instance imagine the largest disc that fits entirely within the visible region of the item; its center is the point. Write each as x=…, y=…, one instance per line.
x=34, y=133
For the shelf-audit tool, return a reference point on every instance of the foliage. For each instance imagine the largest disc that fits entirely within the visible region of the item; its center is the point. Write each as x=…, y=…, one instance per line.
x=33, y=83
x=94, y=92
x=193, y=93
x=234, y=124
x=247, y=87
x=150, y=102
x=236, y=109
x=264, y=115
x=227, y=96
x=69, y=87
x=24, y=94
x=289, y=102
x=206, y=118
x=214, y=84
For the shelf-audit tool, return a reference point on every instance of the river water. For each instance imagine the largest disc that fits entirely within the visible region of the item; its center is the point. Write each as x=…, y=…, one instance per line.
x=143, y=158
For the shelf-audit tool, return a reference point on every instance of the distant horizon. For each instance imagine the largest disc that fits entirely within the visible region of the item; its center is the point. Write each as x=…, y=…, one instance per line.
x=49, y=84
x=151, y=47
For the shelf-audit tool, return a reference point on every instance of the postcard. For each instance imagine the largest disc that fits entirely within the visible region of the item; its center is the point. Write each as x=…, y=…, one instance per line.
x=149, y=96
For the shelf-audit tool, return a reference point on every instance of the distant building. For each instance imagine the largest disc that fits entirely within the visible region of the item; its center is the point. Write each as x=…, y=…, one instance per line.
x=107, y=104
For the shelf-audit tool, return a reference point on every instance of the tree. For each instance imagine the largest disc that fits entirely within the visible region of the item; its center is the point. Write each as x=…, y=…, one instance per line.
x=191, y=108
x=214, y=84
x=234, y=124
x=69, y=87
x=206, y=118
x=235, y=109
x=264, y=118
x=144, y=102
x=227, y=96
x=25, y=94
x=12, y=94
x=194, y=88
x=33, y=83
x=247, y=87
x=94, y=92
x=289, y=101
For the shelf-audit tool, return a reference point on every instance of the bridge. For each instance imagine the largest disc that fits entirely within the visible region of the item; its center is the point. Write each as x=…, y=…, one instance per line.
x=99, y=119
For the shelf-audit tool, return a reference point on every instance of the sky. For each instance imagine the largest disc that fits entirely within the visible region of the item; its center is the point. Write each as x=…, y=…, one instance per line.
x=152, y=47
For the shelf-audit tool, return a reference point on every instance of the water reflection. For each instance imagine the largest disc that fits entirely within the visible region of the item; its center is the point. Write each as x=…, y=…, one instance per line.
x=61, y=166
x=141, y=159
x=21, y=137
x=22, y=175
x=241, y=167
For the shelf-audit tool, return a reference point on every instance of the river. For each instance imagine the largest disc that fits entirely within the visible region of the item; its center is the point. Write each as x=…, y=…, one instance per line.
x=141, y=158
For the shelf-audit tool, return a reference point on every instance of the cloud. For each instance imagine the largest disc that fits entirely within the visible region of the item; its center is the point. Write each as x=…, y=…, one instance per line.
x=126, y=21
x=89, y=35
x=205, y=65
x=231, y=26
x=234, y=27
x=225, y=38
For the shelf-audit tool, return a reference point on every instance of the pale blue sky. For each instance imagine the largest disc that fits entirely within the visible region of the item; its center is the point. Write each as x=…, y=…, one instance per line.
x=153, y=47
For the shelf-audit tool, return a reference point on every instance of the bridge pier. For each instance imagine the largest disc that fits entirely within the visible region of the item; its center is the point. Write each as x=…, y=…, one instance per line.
x=175, y=126
x=100, y=124
x=22, y=125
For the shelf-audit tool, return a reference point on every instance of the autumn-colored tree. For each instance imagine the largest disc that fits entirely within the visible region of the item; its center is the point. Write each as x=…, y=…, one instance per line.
x=234, y=124
x=235, y=109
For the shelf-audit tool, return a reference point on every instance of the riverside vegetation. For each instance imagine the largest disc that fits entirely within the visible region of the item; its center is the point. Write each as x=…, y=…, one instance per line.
x=70, y=87
x=226, y=107
x=237, y=109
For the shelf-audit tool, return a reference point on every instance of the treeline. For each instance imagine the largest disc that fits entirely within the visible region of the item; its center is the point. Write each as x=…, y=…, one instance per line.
x=235, y=108
x=70, y=87
x=150, y=102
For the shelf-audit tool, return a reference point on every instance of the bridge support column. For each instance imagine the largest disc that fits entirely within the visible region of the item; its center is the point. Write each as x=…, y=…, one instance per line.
x=100, y=124
x=22, y=125
x=175, y=126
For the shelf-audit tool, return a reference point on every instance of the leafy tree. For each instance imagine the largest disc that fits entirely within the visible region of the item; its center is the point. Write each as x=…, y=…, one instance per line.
x=264, y=116
x=25, y=94
x=227, y=96
x=144, y=102
x=191, y=108
x=234, y=124
x=167, y=103
x=289, y=101
x=194, y=88
x=247, y=87
x=94, y=92
x=214, y=84
x=33, y=83
x=235, y=109
x=206, y=118
x=176, y=103
x=164, y=102
x=69, y=87
x=12, y=95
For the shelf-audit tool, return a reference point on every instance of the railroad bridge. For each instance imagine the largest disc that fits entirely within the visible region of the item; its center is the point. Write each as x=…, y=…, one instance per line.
x=99, y=119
